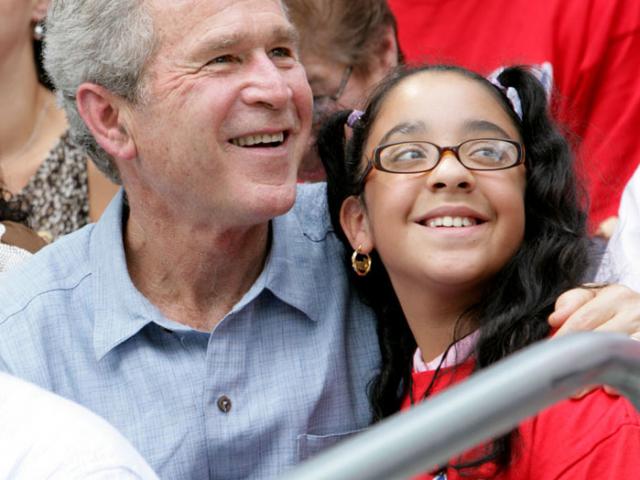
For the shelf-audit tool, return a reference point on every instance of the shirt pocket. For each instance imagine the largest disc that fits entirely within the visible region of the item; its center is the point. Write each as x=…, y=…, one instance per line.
x=310, y=445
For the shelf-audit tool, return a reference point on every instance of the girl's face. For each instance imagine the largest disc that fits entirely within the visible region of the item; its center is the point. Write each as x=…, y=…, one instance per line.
x=406, y=217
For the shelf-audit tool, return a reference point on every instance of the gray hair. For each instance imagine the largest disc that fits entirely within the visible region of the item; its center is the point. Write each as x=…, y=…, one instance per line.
x=103, y=42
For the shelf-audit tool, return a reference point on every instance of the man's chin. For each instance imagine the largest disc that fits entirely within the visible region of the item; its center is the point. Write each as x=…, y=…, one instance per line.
x=275, y=200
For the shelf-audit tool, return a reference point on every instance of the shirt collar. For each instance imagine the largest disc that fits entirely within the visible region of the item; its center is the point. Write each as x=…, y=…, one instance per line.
x=120, y=310
x=458, y=353
x=295, y=265
x=293, y=269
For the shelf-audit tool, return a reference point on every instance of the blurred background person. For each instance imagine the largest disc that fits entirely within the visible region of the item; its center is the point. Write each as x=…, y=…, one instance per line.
x=17, y=242
x=50, y=178
x=43, y=436
x=590, y=47
x=346, y=47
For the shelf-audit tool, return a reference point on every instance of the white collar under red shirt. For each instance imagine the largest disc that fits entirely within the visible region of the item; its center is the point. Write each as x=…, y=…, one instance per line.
x=458, y=353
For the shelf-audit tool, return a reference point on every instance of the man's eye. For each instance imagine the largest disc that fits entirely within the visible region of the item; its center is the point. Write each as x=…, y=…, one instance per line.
x=282, y=52
x=222, y=59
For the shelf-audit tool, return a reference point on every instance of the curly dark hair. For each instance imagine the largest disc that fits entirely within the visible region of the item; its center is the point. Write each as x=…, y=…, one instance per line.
x=553, y=257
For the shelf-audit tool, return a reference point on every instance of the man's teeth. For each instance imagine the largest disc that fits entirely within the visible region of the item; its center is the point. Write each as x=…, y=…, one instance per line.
x=250, y=140
x=452, y=222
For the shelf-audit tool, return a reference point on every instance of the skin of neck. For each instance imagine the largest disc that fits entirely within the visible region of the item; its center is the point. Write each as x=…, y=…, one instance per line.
x=22, y=116
x=434, y=312
x=19, y=97
x=194, y=272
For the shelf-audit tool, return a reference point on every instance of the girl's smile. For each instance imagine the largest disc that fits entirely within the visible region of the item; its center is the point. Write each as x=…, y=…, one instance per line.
x=450, y=228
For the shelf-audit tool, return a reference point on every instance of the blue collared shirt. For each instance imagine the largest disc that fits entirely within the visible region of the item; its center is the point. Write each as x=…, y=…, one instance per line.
x=282, y=376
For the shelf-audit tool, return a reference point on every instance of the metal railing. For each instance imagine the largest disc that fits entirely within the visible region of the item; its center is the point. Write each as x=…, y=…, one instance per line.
x=489, y=404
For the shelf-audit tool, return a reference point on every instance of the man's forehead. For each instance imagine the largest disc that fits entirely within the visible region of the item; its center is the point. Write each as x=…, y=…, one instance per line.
x=202, y=18
x=213, y=6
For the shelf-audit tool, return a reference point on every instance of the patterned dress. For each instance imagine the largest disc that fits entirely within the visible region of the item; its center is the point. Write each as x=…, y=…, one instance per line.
x=57, y=196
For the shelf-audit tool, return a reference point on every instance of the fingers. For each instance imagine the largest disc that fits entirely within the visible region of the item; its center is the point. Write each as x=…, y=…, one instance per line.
x=568, y=303
x=614, y=308
x=607, y=227
x=584, y=392
x=612, y=392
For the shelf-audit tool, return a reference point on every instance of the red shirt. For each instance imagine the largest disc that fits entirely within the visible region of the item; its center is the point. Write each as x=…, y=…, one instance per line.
x=596, y=437
x=593, y=46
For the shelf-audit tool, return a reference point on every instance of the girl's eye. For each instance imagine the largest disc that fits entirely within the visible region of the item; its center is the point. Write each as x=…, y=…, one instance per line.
x=408, y=155
x=486, y=152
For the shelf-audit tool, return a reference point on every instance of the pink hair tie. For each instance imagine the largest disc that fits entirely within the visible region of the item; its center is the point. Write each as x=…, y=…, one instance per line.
x=354, y=117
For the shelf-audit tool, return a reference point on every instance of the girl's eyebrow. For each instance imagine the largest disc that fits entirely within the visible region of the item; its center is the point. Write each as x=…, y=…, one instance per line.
x=482, y=126
x=405, y=128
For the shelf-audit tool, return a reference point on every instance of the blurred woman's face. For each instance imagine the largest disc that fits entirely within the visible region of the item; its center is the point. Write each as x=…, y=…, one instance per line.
x=335, y=86
x=338, y=86
x=16, y=24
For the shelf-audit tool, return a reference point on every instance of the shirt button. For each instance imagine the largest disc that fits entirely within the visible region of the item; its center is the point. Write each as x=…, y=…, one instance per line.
x=224, y=404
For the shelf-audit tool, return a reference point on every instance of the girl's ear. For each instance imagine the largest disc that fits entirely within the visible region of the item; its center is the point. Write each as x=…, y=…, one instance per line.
x=355, y=224
x=39, y=10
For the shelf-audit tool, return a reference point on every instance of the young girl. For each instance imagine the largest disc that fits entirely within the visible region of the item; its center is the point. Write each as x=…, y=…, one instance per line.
x=458, y=199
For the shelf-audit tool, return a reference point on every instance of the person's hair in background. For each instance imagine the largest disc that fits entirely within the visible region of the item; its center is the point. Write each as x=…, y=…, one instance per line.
x=129, y=28
x=346, y=47
x=345, y=32
x=513, y=310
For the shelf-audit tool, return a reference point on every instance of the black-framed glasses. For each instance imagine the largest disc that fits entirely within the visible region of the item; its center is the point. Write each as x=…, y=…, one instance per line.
x=419, y=156
x=324, y=103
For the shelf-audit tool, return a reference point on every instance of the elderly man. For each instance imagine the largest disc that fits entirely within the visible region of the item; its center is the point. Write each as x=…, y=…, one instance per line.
x=203, y=316
x=212, y=337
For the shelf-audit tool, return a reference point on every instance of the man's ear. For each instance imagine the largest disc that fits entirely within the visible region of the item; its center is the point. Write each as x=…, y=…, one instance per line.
x=105, y=114
x=355, y=224
x=39, y=10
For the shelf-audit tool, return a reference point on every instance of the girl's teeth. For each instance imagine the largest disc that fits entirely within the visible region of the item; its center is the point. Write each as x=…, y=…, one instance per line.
x=451, y=222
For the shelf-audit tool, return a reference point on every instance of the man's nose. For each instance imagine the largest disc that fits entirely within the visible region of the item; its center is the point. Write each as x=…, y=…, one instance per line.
x=268, y=85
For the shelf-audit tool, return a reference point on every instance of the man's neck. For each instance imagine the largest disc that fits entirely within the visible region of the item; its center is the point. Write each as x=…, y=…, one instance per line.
x=194, y=275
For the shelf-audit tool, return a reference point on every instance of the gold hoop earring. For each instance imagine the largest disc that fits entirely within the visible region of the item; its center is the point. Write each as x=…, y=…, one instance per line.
x=360, y=262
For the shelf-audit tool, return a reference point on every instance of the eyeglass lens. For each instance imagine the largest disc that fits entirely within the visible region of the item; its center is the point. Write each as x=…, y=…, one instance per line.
x=480, y=154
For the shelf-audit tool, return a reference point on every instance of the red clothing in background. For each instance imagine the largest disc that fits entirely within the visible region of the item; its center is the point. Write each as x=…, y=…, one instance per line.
x=597, y=436
x=593, y=46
